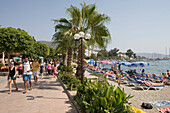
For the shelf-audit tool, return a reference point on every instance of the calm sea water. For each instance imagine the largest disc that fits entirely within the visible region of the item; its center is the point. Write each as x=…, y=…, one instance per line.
x=156, y=66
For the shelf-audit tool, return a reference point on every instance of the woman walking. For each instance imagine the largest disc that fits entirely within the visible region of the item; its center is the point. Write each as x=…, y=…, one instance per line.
x=55, y=72
x=12, y=76
x=42, y=68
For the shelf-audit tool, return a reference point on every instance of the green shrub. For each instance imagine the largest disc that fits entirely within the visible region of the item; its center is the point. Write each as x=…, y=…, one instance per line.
x=70, y=81
x=100, y=97
x=64, y=68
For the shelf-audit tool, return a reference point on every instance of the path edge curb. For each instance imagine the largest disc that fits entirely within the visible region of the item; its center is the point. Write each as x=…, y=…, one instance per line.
x=69, y=96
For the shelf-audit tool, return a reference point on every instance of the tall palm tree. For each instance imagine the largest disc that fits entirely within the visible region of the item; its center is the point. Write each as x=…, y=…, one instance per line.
x=61, y=39
x=90, y=21
x=87, y=20
x=68, y=30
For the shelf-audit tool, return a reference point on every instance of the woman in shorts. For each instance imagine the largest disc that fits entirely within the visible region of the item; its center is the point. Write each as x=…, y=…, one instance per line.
x=12, y=76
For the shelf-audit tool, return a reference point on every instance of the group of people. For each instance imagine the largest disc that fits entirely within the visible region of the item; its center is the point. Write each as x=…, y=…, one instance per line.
x=117, y=73
x=27, y=69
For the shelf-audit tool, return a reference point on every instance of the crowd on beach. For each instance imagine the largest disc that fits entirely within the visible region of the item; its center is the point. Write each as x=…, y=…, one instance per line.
x=28, y=68
x=150, y=80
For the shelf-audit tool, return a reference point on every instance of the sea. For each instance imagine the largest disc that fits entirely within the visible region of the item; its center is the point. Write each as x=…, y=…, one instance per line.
x=155, y=66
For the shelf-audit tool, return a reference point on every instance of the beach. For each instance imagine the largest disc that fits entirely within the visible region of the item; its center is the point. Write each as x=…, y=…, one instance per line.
x=141, y=96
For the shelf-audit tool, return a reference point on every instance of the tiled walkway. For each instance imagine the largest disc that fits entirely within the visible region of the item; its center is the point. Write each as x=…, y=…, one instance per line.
x=47, y=97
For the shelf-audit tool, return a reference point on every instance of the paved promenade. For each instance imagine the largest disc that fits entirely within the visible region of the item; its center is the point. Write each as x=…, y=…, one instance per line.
x=47, y=97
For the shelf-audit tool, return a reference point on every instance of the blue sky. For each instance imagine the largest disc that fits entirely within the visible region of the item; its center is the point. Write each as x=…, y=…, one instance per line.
x=141, y=25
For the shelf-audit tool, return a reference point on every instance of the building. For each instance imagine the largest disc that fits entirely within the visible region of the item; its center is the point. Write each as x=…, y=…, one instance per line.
x=89, y=52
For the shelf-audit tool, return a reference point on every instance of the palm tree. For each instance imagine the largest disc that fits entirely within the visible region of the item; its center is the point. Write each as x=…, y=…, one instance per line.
x=61, y=40
x=90, y=21
x=65, y=27
x=87, y=20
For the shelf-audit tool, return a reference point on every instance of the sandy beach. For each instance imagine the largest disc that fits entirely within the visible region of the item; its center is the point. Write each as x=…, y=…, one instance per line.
x=141, y=96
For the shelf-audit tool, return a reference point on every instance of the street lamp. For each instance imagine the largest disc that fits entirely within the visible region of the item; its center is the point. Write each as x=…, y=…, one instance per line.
x=78, y=36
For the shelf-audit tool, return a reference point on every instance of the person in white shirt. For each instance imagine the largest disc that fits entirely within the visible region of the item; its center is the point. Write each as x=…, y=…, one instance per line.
x=27, y=68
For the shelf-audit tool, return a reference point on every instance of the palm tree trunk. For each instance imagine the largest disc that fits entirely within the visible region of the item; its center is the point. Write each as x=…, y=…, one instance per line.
x=69, y=56
x=64, y=58
x=78, y=72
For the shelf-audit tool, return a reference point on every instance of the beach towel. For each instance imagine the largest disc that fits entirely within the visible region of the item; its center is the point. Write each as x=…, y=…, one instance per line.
x=163, y=110
x=160, y=103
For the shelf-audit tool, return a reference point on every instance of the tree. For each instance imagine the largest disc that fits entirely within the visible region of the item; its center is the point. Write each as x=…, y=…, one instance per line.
x=93, y=56
x=102, y=54
x=15, y=40
x=129, y=53
x=88, y=20
x=52, y=53
x=41, y=49
x=113, y=52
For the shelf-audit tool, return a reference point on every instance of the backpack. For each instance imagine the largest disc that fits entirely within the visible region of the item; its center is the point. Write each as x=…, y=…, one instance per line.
x=146, y=105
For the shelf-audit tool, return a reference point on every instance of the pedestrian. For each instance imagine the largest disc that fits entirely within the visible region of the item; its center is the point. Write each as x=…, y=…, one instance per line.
x=49, y=68
x=42, y=68
x=27, y=68
x=20, y=70
x=36, y=67
x=12, y=76
x=52, y=67
x=55, y=71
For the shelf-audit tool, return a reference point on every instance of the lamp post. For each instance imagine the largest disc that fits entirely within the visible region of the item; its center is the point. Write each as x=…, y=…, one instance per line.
x=81, y=36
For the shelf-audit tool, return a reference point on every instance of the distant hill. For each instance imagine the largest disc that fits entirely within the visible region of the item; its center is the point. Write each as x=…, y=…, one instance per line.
x=49, y=43
x=151, y=55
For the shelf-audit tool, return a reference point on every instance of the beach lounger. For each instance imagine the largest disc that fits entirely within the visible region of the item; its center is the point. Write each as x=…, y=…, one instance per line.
x=131, y=81
x=157, y=87
x=111, y=77
x=122, y=80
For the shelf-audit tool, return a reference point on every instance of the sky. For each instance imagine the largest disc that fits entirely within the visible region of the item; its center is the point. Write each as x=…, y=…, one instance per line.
x=140, y=25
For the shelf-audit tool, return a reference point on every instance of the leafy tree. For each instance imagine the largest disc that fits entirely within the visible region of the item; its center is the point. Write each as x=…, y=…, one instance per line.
x=52, y=53
x=42, y=49
x=31, y=53
x=102, y=54
x=129, y=53
x=15, y=40
x=93, y=56
x=113, y=52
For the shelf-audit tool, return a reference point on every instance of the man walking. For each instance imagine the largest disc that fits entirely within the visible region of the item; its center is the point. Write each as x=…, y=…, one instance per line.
x=27, y=68
x=36, y=67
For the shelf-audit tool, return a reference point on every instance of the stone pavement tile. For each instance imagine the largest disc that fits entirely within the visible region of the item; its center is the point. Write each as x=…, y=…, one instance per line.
x=47, y=97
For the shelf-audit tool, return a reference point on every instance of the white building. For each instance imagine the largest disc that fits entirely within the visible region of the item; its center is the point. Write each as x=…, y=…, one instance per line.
x=89, y=52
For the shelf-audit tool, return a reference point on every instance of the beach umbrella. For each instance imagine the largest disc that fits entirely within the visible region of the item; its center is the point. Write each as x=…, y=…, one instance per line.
x=106, y=62
x=114, y=62
x=17, y=58
x=95, y=63
x=86, y=61
x=91, y=61
x=125, y=63
x=40, y=57
x=140, y=63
